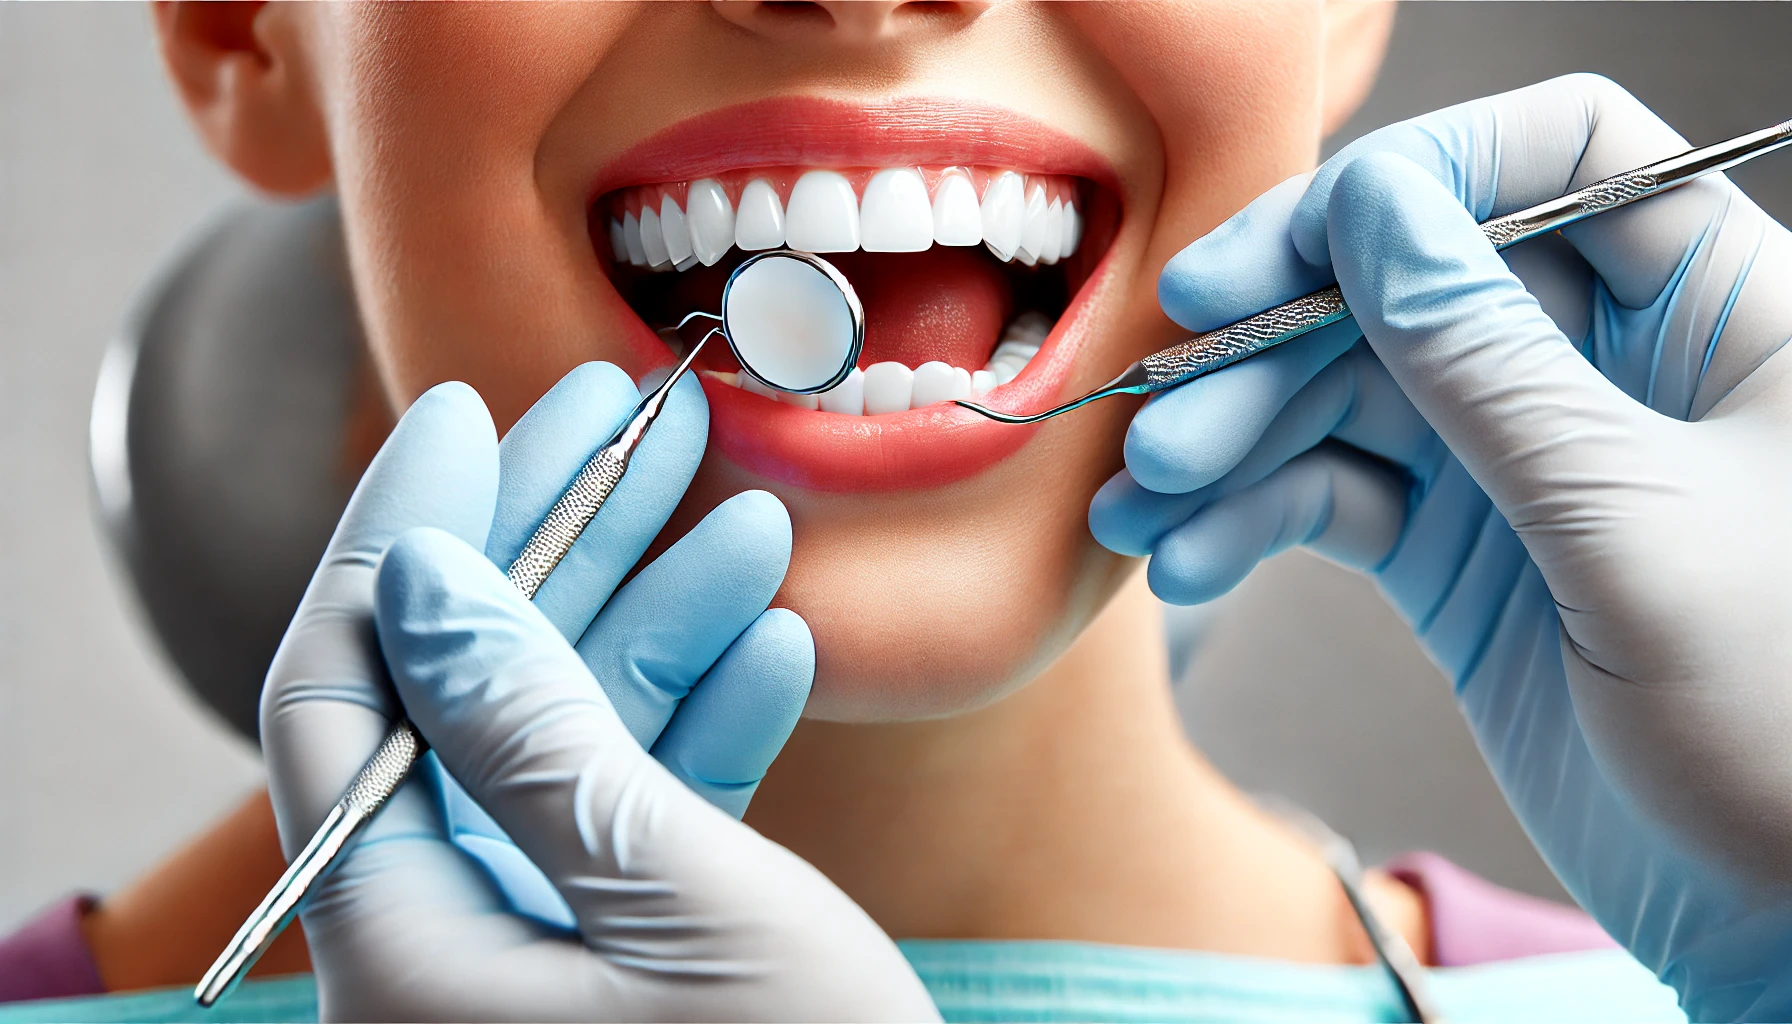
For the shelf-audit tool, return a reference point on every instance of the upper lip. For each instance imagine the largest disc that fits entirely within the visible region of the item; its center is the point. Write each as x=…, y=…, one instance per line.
x=921, y=448
x=831, y=133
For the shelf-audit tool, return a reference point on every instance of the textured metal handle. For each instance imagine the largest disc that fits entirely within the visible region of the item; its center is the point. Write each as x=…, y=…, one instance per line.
x=1205, y=353
x=567, y=519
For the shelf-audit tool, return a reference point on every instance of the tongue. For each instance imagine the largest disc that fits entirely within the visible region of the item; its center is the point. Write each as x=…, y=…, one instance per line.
x=947, y=303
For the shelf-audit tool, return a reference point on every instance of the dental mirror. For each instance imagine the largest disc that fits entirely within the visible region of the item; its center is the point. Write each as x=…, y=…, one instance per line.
x=793, y=321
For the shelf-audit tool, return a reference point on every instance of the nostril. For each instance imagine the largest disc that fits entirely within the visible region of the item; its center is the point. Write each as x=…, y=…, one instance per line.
x=852, y=21
x=798, y=12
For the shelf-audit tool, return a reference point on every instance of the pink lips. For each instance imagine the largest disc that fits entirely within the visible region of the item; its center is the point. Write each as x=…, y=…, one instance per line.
x=916, y=449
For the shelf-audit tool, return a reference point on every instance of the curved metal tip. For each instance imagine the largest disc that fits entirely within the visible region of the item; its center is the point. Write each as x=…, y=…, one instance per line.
x=1008, y=417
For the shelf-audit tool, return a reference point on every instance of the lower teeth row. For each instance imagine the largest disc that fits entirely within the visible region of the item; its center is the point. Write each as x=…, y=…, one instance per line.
x=893, y=387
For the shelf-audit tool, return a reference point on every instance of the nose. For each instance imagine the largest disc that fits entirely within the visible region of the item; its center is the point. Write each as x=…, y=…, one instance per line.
x=847, y=21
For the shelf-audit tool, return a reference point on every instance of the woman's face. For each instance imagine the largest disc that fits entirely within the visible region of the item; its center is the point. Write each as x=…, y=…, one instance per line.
x=481, y=153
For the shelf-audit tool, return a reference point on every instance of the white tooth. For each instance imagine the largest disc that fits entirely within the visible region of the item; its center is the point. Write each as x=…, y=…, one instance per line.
x=1004, y=371
x=711, y=217
x=956, y=218
x=653, y=240
x=618, y=244
x=1073, y=231
x=1054, y=232
x=1019, y=351
x=848, y=396
x=685, y=264
x=1032, y=233
x=939, y=382
x=895, y=216
x=823, y=214
x=1031, y=324
x=631, y=238
x=759, y=223
x=982, y=381
x=800, y=401
x=1004, y=213
x=888, y=387
x=730, y=379
x=678, y=236
x=748, y=382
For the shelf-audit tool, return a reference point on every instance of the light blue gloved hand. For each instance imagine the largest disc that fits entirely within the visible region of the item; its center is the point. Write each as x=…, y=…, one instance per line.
x=1570, y=476
x=651, y=645
x=409, y=927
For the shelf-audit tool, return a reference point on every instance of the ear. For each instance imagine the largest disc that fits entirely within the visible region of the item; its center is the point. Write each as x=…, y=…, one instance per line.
x=244, y=72
x=1356, y=38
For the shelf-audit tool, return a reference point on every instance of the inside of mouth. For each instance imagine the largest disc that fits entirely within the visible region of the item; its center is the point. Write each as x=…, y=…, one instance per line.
x=941, y=322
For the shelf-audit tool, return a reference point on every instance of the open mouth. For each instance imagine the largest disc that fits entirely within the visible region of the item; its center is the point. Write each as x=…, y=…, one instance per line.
x=965, y=271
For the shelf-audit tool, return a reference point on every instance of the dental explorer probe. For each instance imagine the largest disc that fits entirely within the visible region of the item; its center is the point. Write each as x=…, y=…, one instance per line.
x=1207, y=352
x=782, y=295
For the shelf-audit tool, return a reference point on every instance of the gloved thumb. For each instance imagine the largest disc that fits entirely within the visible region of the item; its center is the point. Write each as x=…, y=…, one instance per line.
x=507, y=704
x=1529, y=417
x=697, y=910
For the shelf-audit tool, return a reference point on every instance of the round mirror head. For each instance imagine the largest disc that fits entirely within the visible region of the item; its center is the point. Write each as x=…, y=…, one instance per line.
x=793, y=321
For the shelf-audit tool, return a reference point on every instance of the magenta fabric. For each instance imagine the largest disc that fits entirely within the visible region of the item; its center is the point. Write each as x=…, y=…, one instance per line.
x=48, y=957
x=1474, y=921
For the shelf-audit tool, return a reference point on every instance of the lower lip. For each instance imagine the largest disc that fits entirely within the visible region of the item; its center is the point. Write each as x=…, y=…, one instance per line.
x=921, y=448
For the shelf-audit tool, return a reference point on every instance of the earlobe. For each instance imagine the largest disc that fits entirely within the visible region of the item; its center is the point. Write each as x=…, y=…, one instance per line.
x=244, y=72
x=1356, y=38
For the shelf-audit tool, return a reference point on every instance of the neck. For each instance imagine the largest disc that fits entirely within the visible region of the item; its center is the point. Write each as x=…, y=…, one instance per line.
x=1073, y=809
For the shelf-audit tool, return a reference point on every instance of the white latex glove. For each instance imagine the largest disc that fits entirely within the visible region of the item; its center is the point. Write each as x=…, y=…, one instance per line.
x=1572, y=475
x=682, y=912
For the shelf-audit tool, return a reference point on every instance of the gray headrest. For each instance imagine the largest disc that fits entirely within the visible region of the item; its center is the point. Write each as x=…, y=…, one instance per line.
x=217, y=439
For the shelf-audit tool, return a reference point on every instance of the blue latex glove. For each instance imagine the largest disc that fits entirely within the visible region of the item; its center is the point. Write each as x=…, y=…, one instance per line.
x=1569, y=475
x=694, y=615
x=682, y=912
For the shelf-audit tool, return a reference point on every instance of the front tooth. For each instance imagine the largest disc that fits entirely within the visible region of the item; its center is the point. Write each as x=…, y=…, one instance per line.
x=631, y=238
x=895, y=215
x=759, y=223
x=846, y=397
x=823, y=215
x=982, y=382
x=809, y=402
x=678, y=236
x=711, y=218
x=1004, y=213
x=956, y=218
x=939, y=382
x=1073, y=231
x=1032, y=234
x=618, y=244
x=888, y=388
x=1054, y=233
x=748, y=382
x=653, y=240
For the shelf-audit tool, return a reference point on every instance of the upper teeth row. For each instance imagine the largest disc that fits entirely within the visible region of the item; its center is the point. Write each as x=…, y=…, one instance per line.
x=894, y=387
x=1032, y=218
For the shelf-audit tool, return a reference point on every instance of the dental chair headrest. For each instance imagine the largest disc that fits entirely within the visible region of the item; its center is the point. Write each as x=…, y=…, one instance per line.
x=218, y=439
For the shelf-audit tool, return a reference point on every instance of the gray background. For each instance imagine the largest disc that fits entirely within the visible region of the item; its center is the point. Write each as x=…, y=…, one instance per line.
x=1308, y=685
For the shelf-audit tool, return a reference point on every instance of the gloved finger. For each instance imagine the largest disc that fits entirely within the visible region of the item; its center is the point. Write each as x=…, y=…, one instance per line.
x=1342, y=504
x=545, y=450
x=1473, y=351
x=1244, y=266
x=1507, y=152
x=666, y=628
x=326, y=705
x=725, y=735
x=1352, y=399
x=1192, y=435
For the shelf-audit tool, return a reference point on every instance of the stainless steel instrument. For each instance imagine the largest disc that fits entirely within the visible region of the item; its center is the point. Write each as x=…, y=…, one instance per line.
x=833, y=310
x=1205, y=353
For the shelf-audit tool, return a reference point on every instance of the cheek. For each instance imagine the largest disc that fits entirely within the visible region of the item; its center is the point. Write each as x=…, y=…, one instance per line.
x=466, y=268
